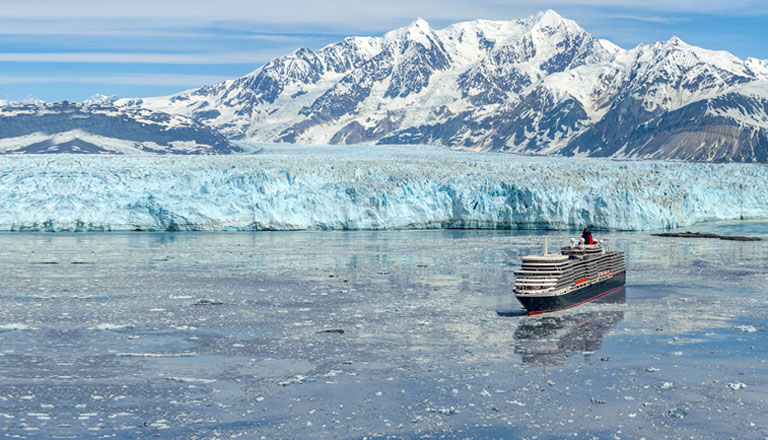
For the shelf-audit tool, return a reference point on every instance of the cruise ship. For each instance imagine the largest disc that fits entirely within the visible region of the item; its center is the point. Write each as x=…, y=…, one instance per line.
x=577, y=274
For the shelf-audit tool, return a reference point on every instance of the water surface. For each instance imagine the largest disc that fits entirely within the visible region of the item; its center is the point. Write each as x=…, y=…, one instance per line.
x=391, y=334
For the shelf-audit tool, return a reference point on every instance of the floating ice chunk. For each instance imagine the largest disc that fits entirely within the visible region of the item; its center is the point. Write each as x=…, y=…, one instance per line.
x=120, y=414
x=446, y=411
x=652, y=369
x=736, y=386
x=16, y=326
x=667, y=385
x=184, y=327
x=41, y=416
x=676, y=413
x=745, y=329
x=191, y=379
x=160, y=424
x=157, y=355
x=296, y=380
x=111, y=327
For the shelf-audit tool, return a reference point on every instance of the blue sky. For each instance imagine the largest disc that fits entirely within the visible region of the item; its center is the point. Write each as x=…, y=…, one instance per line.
x=55, y=50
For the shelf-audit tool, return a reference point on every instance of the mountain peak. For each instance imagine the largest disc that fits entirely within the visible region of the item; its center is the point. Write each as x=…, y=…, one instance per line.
x=418, y=31
x=550, y=21
x=548, y=18
x=420, y=24
x=99, y=99
x=32, y=100
x=676, y=41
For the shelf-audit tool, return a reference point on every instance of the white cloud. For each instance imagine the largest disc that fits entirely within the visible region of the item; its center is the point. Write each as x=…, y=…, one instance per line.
x=251, y=32
x=275, y=21
x=177, y=80
x=646, y=18
x=116, y=28
x=349, y=12
x=253, y=57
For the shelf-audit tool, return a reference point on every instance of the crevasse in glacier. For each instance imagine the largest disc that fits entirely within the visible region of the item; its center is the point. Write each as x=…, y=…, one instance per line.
x=302, y=187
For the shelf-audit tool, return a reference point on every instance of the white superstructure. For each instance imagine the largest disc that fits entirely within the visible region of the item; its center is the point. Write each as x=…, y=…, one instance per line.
x=575, y=267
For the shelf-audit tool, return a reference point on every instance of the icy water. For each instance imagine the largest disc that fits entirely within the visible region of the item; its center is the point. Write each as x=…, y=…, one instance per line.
x=390, y=334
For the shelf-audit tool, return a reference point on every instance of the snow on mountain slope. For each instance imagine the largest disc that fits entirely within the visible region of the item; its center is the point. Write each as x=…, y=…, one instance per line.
x=536, y=85
x=67, y=127
x=728, y=127
x=325, y=187
x=407, y=77
x=273, y=94
x=99, y=99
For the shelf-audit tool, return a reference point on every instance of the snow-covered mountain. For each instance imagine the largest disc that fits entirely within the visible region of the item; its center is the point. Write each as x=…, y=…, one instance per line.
x=66, y=127
x=538, y=85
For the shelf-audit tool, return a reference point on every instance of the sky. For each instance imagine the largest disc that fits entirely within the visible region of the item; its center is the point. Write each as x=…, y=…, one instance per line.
x=69, y=50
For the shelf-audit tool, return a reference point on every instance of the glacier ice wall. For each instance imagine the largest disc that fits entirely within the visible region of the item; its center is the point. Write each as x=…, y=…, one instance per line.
x=300, y=187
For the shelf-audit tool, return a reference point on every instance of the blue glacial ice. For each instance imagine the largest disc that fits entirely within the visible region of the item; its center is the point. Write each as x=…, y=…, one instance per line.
x=303, y=187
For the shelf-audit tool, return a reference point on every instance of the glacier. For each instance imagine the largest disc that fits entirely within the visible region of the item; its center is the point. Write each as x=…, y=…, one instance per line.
x=293, y=187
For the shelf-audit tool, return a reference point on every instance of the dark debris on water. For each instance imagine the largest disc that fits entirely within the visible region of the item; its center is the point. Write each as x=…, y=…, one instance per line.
x=208, y=302
x=706, y=235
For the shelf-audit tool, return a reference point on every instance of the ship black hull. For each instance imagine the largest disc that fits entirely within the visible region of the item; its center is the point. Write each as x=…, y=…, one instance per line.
x=542, y=304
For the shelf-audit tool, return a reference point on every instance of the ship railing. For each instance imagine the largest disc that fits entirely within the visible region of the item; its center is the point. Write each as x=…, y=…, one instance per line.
x=524, y=282
x=540, y=273
x=548, y=290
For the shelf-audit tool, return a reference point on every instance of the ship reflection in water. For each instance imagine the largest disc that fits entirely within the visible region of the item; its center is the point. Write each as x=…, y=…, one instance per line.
x=552, y=338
